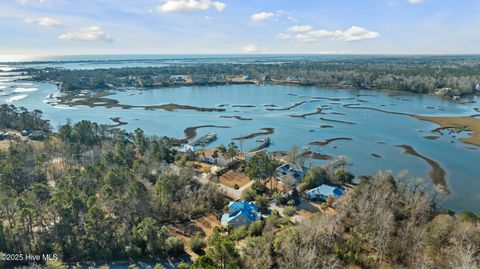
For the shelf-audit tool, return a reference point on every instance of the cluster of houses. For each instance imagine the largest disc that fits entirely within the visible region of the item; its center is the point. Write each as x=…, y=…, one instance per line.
x=243, y=212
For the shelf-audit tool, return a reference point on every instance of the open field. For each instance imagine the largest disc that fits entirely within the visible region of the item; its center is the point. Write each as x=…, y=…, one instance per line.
x=232, y=178
x=207, y=223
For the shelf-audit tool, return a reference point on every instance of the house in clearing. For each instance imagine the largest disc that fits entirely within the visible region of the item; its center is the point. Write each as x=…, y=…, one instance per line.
x=290, y=173
x=324, y=191
x=188, y=150
x=180, y=78
x=240, y=213
x=213, y=157
x=36, y=135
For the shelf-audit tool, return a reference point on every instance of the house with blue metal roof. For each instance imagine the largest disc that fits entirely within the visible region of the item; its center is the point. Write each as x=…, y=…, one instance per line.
x=240, y=213
x=324, y=191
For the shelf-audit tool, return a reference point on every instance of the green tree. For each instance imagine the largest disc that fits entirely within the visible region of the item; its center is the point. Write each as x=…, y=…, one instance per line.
x=204, y=262
x=232, y=150
x=342, y=176
x=140, y=141
x=261, y=167
x=315, y=177
x=222, y=251
x=146, y=237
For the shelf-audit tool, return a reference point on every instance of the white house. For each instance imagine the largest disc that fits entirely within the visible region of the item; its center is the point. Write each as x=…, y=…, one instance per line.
x=213, y=157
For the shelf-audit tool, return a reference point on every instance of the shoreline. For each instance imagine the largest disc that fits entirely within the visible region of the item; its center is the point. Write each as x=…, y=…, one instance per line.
x=437, y=174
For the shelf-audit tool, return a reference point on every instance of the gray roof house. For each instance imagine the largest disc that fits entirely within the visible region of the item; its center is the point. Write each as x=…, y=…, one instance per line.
x=290, y=173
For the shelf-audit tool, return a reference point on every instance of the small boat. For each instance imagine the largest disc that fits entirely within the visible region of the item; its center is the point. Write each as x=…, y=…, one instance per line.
x=206, y=139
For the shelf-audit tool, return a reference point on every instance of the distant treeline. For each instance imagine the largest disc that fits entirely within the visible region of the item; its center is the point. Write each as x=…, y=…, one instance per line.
x=419, y=74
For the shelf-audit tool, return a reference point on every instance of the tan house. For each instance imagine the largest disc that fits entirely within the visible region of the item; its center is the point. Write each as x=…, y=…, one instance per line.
x=213, y=157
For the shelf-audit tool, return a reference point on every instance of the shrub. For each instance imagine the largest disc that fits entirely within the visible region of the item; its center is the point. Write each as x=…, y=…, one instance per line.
x=197, y=243
x=469, y=216
x=256, y=228
x=262, y=202
x=174, y=245
x=183, y=265
x=239, y=233
x=289, y=211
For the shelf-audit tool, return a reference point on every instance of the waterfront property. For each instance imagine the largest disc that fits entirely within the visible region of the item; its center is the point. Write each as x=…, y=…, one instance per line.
x=290, y=173
x=213, y=157
x=375, y=131
x=324, y=191
x=180, y=79
x=187, y=148
x=240, y=213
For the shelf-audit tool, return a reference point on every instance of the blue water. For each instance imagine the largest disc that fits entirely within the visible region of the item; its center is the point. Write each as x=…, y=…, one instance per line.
x=458, y=159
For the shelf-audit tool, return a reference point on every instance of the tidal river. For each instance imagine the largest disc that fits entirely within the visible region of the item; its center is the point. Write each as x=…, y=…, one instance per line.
x=357, y=124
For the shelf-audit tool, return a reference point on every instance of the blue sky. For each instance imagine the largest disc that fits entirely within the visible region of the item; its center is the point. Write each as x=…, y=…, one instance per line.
x=52, y=27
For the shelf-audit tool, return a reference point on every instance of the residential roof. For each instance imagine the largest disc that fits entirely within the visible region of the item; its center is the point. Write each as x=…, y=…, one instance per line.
x=291, y=170
x=326, y=190
x=186, y=148
x=248, y=209
x=212, y=154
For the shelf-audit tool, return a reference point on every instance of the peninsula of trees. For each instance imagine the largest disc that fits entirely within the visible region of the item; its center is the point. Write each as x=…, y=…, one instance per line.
x=452, y=76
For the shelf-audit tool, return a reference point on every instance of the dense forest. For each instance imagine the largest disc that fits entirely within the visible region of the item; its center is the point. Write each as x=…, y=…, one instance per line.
x=443, y=75
x=20, y=119
x=97, y=193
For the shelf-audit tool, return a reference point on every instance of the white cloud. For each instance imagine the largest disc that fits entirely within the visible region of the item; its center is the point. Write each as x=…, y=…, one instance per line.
x=308, y=34
x=283, y=36
x=189, y=5
x=356, y=33
x=416, y=1
x=262, y=16
x=92, y=33
x=26, y=2
x=45, y=21
x=276, y=15
x=249, y=48
x=300, y=28
x=48, y=22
